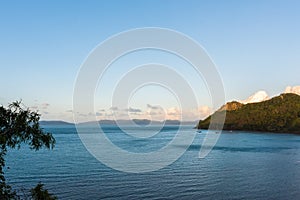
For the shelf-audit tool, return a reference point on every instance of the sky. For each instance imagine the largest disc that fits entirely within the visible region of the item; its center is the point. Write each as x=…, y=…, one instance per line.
x=255, y=45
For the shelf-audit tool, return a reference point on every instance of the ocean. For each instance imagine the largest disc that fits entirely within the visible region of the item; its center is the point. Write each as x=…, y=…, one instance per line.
x=242, y=165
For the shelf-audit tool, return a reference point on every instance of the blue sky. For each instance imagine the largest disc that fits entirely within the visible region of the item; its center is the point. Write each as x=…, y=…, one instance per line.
x=255, y=44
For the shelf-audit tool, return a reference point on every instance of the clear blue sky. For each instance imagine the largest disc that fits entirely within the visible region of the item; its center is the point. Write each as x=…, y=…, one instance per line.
x=255, y=44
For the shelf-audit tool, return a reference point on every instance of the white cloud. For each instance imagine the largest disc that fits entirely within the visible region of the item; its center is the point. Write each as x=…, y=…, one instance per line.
x=114, y=108
x=295, y=90
x=33, y=107
x=44, y=105
x=99, y=114
x=154, y=113
x=175, y=113
x=153, y=107
x=204, y=111
x=256, y=97
x=133, y=110
x=109, y=115
x=172, y=113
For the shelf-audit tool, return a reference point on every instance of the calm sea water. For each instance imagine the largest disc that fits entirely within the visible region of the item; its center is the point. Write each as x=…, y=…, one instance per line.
x=242, y=165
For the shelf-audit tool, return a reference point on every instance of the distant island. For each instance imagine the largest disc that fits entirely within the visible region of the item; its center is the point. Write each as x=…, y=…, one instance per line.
x=140, y=122
x=279, y=114
x=54, y=123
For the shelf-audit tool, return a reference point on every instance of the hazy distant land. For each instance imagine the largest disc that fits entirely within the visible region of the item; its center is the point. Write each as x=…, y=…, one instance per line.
x=278, y=114
x=142, y=122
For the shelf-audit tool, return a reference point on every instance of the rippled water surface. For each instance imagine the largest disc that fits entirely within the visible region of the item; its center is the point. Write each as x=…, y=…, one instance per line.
x=242, y=165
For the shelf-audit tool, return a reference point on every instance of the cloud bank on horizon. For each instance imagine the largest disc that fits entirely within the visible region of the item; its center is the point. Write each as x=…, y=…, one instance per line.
x=295, y=90
x=263, y=96
x=155, y=112
x=257, y=97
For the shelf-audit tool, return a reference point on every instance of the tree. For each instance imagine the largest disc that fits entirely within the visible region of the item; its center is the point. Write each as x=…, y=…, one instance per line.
x=19, y=125
x=39, y=193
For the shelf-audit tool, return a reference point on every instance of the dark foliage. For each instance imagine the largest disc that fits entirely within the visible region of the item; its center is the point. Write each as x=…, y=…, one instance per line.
x=39, y=193
x=279, y=114
x=17, y=126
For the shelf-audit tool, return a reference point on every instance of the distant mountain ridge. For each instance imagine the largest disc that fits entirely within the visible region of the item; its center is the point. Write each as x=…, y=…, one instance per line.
x=279, y=114
x=142, y=122
x=54, y=123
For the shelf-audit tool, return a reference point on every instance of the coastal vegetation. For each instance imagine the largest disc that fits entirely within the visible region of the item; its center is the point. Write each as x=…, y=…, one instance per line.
x=19, y=125
x=279, y=114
